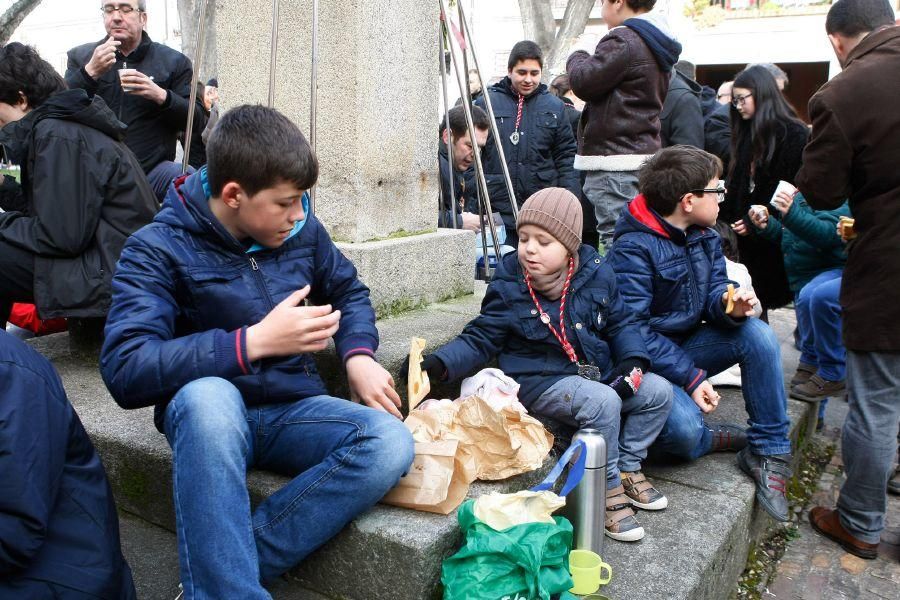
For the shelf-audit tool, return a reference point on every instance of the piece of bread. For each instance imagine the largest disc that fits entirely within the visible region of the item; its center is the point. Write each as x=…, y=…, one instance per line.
x=847, y=227
x=418, y=385
x=729, y=306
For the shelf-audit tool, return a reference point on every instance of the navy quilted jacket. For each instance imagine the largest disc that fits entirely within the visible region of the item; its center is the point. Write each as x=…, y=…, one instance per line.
x=185, y=291
x=598, y=325
x=672, y=280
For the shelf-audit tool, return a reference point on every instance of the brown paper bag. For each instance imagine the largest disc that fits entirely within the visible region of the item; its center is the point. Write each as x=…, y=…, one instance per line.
x=438, y=480
x=417, y=386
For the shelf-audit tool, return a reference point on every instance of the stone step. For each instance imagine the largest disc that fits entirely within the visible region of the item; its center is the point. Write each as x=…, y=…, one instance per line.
x=694, y=549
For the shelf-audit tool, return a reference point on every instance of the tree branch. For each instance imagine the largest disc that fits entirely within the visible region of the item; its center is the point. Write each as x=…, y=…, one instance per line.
x=538, y=22
x=14, y=16
x=574, y=21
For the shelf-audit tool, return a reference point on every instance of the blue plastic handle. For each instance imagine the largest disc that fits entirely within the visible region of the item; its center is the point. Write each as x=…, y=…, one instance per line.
x=576, y=472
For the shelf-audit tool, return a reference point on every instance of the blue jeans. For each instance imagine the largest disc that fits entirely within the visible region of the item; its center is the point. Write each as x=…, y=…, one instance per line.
x=162, y=175
x=343, y=458
x=634, y=422
x=819, y=322
x=869, y=441
x=754, y=346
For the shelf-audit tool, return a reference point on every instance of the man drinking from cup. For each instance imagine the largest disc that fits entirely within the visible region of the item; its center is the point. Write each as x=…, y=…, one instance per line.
x=147, y=85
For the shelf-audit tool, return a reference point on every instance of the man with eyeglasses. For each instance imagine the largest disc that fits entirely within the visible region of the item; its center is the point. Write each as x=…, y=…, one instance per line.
x=145, y=83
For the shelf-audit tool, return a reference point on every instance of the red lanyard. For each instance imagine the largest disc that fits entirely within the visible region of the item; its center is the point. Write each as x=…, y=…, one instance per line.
x=545, y=318
x=519, y=113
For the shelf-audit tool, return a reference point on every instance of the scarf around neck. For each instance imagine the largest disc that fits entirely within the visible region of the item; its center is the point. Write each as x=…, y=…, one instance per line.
x=549, y=286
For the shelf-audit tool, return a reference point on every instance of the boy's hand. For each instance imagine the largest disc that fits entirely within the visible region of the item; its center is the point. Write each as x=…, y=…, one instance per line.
x=740, y=228
x=705, y=397
x=783, y=202
x=759, y=216
x=745, y=303
x=291, y=329
x=372, y=385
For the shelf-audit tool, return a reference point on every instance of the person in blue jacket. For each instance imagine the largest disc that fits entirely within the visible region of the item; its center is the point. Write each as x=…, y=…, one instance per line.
x=207, y=324
x=59, y=531
x=671, y=272
x=556, y=320
x=535, y=134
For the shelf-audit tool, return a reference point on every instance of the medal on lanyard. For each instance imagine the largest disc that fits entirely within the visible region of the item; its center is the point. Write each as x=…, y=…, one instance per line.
x=514, y=137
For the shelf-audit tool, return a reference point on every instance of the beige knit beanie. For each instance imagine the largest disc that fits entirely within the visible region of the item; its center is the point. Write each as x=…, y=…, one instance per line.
x=558, y=212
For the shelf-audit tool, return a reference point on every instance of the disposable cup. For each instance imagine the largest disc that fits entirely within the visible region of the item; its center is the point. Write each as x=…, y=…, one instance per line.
x=784, y=186
x=123, y=73
x=587, y=569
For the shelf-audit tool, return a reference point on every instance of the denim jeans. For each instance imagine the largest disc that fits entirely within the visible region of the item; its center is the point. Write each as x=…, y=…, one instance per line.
x=343, y=458
x=634, y=422
x=609, y=191
x=819, y=323
x=869, y=441
x=162, y=175
x=754, y=346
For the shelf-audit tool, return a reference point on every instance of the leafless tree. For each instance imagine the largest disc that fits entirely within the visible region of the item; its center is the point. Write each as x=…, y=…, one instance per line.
x=189, y=14
x=540, y=26
x=14, y=16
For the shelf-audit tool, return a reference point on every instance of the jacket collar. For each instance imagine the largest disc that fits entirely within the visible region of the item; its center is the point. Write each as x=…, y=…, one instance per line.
x=504, y=86
x=138, y=54
x=873, y=41
x=639, y=216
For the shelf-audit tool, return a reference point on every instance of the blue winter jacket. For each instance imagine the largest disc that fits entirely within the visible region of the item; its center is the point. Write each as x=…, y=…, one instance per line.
x=599, y=327
x=186, y=290
x=59, y=532
x=544, y=156
x=672, y=280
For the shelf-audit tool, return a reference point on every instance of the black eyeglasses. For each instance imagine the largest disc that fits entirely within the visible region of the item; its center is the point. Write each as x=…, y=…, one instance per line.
x=719, y=191
x=125, y=9
x=738, y=101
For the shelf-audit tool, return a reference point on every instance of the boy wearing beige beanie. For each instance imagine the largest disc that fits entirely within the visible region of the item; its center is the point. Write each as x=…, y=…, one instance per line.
x=555, y=321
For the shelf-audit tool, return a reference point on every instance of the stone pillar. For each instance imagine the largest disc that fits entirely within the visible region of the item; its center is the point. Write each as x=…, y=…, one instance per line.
x=378, y=114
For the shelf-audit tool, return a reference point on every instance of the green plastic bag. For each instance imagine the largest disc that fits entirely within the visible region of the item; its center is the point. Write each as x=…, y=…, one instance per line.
x=523, y=562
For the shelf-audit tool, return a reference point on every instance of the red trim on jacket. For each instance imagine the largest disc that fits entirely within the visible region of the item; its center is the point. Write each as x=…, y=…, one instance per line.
x=240, y=351
x=645, y=215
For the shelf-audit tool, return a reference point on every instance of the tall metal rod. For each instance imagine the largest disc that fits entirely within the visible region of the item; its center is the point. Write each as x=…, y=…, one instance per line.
x=192, y=106
x=495, y=131
x=463, y=83
x=273, y=57
x=450, y=163
x=314, y=92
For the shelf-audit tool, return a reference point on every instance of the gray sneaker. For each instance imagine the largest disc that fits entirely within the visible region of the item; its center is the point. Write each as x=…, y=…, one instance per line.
x=620, y=522
x=770, y=474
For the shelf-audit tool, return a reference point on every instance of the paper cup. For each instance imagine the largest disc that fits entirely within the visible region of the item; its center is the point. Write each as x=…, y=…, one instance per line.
x=122, y=73
x=587, y=569
x=783, y=186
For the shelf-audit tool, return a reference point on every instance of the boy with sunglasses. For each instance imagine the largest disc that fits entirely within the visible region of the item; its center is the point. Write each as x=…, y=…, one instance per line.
x=670, y=270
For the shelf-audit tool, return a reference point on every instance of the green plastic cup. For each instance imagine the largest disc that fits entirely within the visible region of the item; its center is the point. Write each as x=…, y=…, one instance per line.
x=587, y=569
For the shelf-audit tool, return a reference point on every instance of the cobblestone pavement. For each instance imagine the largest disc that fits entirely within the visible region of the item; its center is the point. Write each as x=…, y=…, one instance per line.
x=814, y=567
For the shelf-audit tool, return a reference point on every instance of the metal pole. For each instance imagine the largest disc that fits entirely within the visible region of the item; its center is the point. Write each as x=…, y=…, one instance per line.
x=313, y=93
x=479, y=168
x=450, y=163
x=192, y=106
x=495, y=131
x=273, y=56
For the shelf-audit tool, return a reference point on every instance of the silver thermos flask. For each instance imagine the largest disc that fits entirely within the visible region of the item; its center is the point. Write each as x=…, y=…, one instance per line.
x=586, y=504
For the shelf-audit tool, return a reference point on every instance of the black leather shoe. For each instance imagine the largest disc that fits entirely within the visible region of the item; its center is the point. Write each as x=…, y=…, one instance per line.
x=727, y=437
x=771, y=475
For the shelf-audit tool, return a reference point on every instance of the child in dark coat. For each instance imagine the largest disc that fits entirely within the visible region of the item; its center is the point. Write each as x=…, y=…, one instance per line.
x=557, y=322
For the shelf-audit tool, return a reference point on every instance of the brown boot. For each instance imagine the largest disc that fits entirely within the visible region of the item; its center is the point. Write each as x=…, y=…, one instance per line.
x=804, y=372
x=826, y=522
x=620, y=522
x=816, y=388
x=642, y=493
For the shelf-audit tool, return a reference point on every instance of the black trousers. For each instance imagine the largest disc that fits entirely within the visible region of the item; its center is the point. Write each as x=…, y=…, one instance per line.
x=16, y=278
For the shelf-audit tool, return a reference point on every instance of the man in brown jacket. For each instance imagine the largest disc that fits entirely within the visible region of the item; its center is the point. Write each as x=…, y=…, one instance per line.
x=853, y=153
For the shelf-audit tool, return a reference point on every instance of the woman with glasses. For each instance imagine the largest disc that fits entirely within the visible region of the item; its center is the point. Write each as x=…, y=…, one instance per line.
x=767, y=140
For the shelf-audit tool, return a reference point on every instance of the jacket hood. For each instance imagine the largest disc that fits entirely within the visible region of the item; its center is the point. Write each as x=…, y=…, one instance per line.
x=68, y=105
x=187, y=207
x=654, y=30
x=504, y=86
x=638, y=216
x=682, y=83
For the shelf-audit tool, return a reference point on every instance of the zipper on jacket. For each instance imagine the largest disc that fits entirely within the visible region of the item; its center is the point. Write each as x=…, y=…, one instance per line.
x=260, y=284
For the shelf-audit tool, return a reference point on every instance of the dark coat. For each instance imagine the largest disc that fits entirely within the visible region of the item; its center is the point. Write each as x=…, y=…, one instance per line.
x=809, y=241
x=544, y=156
x=717, y=133
x=672, y=280
x=185, y=292
x=854, y=154
x=764, y=260
x=598, y=325
x=681, y=119
x=152, y=129
x=574, y=115
x=623, y=87
x=86, y=193
x=58, y=522
x=467, y=202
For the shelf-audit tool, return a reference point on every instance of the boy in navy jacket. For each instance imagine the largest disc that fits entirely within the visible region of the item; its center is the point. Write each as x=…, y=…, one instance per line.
x=558, y=324
x=206, y=324
x=671, y=272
